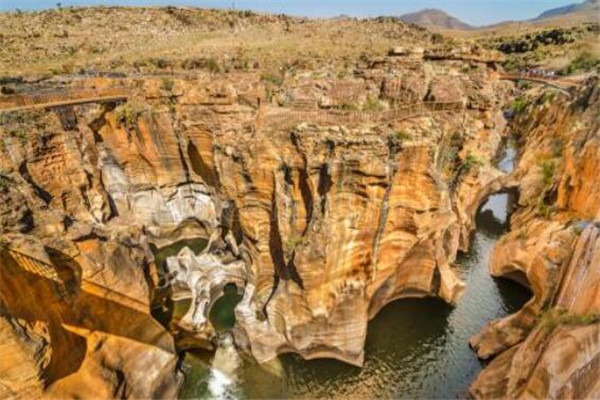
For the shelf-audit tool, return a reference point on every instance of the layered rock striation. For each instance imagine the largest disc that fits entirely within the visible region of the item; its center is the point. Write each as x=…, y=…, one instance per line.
x=321, y=225
x=549, y=349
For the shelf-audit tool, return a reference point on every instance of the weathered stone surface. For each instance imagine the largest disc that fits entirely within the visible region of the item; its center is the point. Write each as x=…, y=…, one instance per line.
x=322, y=225
x=201, y=279
x=339, y=223
x=80, y=303
x=556, y=362
x=554, y=249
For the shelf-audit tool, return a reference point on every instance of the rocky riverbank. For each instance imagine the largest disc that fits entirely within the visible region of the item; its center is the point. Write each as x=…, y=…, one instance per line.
x=320, y=224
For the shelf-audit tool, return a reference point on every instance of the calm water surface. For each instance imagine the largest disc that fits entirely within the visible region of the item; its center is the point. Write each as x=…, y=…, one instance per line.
x=415, y=348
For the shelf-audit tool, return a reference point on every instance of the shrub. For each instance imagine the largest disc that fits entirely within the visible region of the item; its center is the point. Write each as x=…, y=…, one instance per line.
x=402, y=135
x=548, y=167
x=552, y=319
x=518, y=105
x=543, y=209
x=293, y=242
x=275, y=79
x=167, y=84
x=372, y=104
x=160, y=63
x=437, y=38
x=127, y=114
x=7, y=90
x=513, y=65
x=348, y=106
x=469, y=162
x=138, y=64
x=212, y=64
x=19, y=133
x=4, y=180
x=583, y=62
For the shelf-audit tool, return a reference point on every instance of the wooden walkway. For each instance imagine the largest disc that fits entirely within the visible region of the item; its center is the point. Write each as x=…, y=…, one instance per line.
x=61, y=98
x=289, y=117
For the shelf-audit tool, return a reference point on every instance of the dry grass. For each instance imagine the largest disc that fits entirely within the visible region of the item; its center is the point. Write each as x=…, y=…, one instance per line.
x=116, y=38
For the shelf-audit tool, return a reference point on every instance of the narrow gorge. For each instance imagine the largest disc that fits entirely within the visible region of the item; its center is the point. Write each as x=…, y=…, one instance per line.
x=412, y=225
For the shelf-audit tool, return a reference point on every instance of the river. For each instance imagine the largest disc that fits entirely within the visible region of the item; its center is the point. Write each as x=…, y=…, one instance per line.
x=415, y=348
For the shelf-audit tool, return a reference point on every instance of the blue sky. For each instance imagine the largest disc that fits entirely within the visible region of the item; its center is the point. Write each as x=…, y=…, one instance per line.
x=476, y=12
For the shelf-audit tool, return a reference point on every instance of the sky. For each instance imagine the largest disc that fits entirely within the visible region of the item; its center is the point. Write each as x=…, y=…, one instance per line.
x=475, y=12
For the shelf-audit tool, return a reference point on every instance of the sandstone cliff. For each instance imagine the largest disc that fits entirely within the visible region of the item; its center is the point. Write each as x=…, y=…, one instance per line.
x=321, y=225
x=549, y=349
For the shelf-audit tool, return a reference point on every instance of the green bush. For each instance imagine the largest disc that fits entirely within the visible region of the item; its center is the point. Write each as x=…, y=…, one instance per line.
x=348, y=106
x=4, y=180
x=372, y=104
x=139, y=64
x=552, y=319
x=127, y=114
x=402, y=135
x=513, y=65
x=548, y=168
x=469, y=162
x=518, y=105
x=212, y=64
x=167, y=84
x=293, y=242
x=583, y=62
x=275, y=79
x=437, y=38
x=160, y=63
x=19, y=133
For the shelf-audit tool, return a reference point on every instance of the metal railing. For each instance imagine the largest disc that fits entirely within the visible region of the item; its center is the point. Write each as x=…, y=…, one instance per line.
x=40, y=268
x=48, y=271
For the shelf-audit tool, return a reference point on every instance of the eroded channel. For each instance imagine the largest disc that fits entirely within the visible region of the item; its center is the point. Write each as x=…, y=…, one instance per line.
x=415, y=348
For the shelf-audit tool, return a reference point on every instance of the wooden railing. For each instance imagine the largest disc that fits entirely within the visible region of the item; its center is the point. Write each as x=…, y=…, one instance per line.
x=61, y=97
x=290, y=117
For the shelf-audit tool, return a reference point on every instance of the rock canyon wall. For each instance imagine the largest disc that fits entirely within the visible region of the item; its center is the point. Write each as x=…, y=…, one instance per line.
x=320, y=225
x=550, y=349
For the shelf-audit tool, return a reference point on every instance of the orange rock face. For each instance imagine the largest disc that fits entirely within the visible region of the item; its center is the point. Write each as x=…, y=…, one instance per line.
x=337, y=226
x=324, y=225
x=554, y=249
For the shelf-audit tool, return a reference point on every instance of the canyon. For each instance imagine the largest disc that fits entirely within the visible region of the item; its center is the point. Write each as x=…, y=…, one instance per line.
x=319, y=194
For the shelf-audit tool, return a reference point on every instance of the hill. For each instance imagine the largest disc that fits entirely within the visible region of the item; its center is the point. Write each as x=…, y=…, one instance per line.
x=588, y=6
x=434, y=18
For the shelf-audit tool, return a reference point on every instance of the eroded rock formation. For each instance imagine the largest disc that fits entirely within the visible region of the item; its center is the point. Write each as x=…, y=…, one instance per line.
x=549, y=349
x=321, y=225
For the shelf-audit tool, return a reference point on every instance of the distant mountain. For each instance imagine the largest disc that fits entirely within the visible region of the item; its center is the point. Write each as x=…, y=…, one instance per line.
x=434, y=18
x=586, y=6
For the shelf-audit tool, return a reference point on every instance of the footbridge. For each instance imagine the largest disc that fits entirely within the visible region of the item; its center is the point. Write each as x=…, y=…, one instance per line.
x=61, y=98
x=65, y=288
x=83, y=306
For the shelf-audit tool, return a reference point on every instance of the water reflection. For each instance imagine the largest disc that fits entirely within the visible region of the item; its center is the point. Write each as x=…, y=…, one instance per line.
x=222, y=313
x=415, y=348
